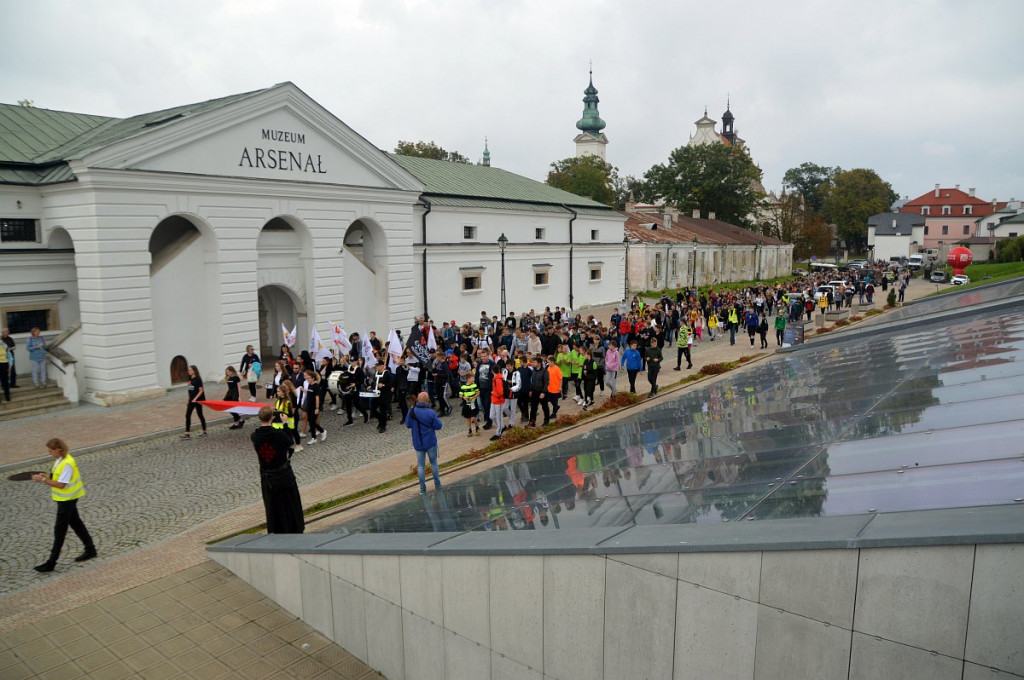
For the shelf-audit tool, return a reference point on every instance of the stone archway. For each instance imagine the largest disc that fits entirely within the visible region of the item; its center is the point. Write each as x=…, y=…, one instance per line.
x=184, y=296
x=283, y=263
x=366, y=277
x=279, y=305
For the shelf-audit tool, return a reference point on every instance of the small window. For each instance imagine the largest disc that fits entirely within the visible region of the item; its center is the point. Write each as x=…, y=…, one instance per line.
x=24, y=321
x=926, y=230
x=674, y=265
x=657, y=265
x=538, y=233
x=924, y=210
x=945, y=229
x=967, y=229
x=595, y=234
x=595, y=273
x=968, y=209
x=946, y=210
x=471, y=282
x=540, y=278
x=14, y=230
x=469, y=233
x=1013, y=234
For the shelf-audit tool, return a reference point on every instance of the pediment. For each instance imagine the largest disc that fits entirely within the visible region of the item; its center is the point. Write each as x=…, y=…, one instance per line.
x=279, y=134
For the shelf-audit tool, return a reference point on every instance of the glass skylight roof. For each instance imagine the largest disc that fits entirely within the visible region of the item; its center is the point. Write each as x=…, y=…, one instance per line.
x=921, y=417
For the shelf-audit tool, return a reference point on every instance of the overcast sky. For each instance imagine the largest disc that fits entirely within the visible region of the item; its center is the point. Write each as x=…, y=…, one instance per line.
x=921, y=91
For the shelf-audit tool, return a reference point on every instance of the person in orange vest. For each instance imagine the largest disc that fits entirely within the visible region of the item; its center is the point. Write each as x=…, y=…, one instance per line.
x=65, y=488
x=554, y=386
x=498, y=401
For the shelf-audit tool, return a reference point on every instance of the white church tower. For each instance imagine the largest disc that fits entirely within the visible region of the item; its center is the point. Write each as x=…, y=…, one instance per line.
x=591, y=141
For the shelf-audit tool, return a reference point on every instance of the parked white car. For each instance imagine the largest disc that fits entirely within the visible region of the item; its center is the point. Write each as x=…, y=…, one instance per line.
x=960, y=280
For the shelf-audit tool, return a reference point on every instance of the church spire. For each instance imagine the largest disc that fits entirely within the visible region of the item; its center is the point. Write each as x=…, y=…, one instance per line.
x=727, y=121
x=487, y=154
x=591, y=121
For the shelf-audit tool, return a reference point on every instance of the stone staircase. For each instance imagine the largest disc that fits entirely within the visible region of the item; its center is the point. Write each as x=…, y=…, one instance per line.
x=26, y=400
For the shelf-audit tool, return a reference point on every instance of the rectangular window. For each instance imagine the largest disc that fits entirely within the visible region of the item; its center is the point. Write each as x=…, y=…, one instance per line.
x=538, y=234
x=657, y=265
x=946, y=210
x=945, y=229
x=924, y=210
x=471, y=282
x=595, y=272
x=673, y=264
x=469, y=233
x=15, y=230
x=540, y=278
x=24, y=321
x=926, y=230
x=967, y=229
x=595, y=235
x=1013, y=234
x=968, y=209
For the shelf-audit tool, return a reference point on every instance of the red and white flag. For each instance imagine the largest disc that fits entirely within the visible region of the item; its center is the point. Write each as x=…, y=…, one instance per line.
x=340, y=339
x=288, y=336
x=369, y=361
x=242, y=408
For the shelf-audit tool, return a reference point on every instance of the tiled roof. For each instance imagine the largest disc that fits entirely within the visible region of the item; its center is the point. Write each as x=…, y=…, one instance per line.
x=955, y=198
x=464, y=180
x=904, y=223
x=683, y=230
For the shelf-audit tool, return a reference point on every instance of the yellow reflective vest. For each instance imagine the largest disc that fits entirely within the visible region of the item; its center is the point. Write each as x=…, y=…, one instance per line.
x=74, y=488
x=285, y=406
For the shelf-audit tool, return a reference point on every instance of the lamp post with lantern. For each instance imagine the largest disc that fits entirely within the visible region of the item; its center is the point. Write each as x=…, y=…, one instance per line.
x=502, y=244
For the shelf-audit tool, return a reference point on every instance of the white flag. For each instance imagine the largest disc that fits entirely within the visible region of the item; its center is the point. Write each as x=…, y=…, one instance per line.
x=340, y=338
x=369, y=361
x=316, y=346
x=431, y=338
x=394, y=350
x=289, y=337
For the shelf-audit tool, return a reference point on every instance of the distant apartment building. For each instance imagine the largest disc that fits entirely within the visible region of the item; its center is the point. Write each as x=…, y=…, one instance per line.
x=950, y=215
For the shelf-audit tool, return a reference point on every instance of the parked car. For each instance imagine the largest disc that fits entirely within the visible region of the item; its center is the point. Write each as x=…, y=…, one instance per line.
x=960, y=280
x=799, y=272
x=915, y=262
x=823, y=290
x=939, y=276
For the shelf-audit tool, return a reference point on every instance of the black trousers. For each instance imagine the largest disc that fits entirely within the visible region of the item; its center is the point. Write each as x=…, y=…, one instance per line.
x=313, y=419
x=632, y=379
x=383, y=404
x=485, y=398
x=252, y=389
x=683, y=352
x=537, y=400
x=553, y=398
x=198, y=408
x=524, y=405
x=5, y=369
x=67, y=516
x=652, y=376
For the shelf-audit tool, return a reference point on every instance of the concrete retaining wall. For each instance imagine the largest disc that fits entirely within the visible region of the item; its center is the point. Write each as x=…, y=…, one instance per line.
x=929, y=612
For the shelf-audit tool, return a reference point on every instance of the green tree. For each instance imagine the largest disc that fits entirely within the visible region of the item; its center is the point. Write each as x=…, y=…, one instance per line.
x=585, y=176
x=789, y=221
x=429, y=150
x=713, y=178
x=811, y=181
x=627, y=189
x=851, y=198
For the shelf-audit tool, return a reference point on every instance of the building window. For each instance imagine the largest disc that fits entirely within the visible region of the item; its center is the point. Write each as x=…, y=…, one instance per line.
x=538, y=234
x=1013, y=234
x=924, y=210
x=967, y=229
x=673, y=264
x=540, y=278
x=471, y=282
x=595, y=272
x=926, y=230
x=946, y=210
x=968, y=209
x=469, y=233
x=595, y=234
x=657, y=265
x=945, y=229
x=15, y=230
x=25, y=320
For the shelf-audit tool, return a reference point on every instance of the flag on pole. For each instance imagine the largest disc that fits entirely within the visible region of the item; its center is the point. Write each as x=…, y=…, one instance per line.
x=340, y=338
x=367, y=351
x=431, y=338
x=317, y=350
x=242, y=408
x=289, y=337
x=394, y=350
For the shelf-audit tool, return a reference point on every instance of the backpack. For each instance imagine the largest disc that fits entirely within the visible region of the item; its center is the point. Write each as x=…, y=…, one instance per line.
x=506, y=387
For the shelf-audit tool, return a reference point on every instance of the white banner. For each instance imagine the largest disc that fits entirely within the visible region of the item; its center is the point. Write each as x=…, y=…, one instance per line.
x=317, y=350
x=340, y=338
x=369, y=361
x=289, y=337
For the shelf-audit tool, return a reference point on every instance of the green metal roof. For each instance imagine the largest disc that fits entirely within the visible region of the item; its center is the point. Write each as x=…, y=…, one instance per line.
x=519, y=206
x=463, y=180
x=27, y=132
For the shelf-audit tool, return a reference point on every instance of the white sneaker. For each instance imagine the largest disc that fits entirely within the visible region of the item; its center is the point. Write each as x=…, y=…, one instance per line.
x=311, y=442
x=334, y=407
x=323, y=435
x=252, y=398
x=297, y=448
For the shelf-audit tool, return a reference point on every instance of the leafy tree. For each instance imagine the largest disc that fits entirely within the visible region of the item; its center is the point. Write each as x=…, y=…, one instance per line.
x=429, y=150
x=811, y=181
x=585, y=176
x=789, y=221
x=851, y=198
x=713, y=178
x=627, y=189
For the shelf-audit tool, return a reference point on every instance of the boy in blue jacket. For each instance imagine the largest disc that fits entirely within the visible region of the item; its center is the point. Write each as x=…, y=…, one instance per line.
x=424, y=423
x=633, y=362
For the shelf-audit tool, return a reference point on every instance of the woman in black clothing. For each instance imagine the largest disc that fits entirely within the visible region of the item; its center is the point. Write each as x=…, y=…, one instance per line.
x=326, y=368
x=195, y=395
x=313, y=402
x=248, y=367
x=232, y=379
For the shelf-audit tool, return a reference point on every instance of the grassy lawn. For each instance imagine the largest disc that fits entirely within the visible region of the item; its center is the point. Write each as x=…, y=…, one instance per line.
x=997, y=271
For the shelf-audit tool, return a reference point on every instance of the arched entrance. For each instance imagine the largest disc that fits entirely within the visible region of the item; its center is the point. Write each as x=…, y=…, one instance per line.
x=185, y=297
x=179, y=370
x=366, y=278
x=279, y=306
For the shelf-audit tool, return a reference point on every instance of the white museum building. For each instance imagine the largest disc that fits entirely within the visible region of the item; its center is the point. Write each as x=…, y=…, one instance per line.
x=146, y=244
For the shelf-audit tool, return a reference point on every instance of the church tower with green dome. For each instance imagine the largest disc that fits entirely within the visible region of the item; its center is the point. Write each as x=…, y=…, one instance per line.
x=591, y=140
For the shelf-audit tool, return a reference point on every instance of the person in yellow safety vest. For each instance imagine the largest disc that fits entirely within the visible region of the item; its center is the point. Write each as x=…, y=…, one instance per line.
x=734, y=322
x=284, y=406
x=65, y=489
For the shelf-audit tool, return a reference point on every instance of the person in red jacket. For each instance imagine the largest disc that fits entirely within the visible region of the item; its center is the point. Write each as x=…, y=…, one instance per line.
x=498, y=402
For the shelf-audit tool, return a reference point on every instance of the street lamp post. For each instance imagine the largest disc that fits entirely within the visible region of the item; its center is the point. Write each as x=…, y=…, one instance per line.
x=695, y=262
x=626, y=274
x=502, y=244
x=837, y=248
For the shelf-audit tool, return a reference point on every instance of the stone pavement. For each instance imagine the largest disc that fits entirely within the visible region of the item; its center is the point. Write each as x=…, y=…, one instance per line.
x=151, y=527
